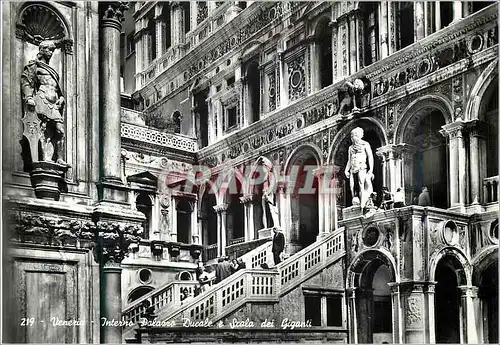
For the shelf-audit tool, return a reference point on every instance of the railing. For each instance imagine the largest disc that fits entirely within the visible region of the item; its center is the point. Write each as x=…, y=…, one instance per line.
x=244, y=285
x=210, y=252
x=153, y=136
x=168, y=294
x=262, y=285
x=490, y=189
x=236, y=240
x=308, y=261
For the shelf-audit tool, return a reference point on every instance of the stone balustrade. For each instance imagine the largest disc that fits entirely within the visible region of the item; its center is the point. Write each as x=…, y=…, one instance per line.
x=491, y=189
x=152, y=136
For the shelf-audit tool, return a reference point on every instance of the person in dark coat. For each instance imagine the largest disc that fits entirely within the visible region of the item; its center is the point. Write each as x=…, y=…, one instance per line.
x=278, y=245
x=241, y=264
x=424, y=199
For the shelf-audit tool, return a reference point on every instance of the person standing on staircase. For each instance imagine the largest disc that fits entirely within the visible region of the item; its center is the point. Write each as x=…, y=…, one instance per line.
x=278, y=245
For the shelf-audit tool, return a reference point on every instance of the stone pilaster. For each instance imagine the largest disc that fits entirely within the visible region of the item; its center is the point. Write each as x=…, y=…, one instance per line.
x=221, y=210
x=469, y=314
x=419, y=20
x=160, y=24
x=282, y=80
x=352, y=315
x=353, y=40
x=416, y=299
x=437, y=15
x=178, y=18
x=111, y=187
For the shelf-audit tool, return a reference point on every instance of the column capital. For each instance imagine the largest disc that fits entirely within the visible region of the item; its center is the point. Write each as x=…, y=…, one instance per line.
x=113, y=241
x=476, y=128
x=453, y=130
x=248, y=198
x=221, y=208
x=114, y=14
x=468, y=290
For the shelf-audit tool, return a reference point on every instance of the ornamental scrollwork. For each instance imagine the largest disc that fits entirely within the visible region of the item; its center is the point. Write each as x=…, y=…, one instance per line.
x=413, y=311
x=113, y=241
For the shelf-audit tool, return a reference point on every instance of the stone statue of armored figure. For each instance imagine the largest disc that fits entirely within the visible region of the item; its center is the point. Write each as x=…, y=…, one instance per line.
x=42, y=96
x=359, y=169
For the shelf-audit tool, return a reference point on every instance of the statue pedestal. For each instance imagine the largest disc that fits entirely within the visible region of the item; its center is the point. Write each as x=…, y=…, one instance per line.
x=352, y=212
x=47, y=178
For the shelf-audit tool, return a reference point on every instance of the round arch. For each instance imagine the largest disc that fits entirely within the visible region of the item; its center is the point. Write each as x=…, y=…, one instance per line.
x=269, y=168
x=462, y=265
x=364, y=260
x=249, y=50
x=138, y=292
x=482, y=261
x=344, y=133
x=231, y=180
x=302, y=152
x=472, y=109
x=436, y=101
x=319, y=22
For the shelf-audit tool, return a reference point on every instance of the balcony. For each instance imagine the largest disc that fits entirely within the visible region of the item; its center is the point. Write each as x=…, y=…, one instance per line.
x=133, y=129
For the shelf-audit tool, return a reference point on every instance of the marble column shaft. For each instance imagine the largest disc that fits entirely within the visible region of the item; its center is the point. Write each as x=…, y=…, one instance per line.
x=469, y=311
x=437, y=15
x=457, y=10
x=111, y=304
x=111, y=101
x=221, y=228
x=461, y=168
x=419, y=20
x=383, y=29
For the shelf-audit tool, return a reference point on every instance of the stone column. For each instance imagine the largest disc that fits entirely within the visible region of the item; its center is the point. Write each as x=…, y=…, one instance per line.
x=457, y=10
x=178, y=18
x=352, y=315
x=397, y=334
x=221, y=210
x=319, y=174
x=111, y=186
x=437, y=15
x=195, y=230
x=139, y=54
x=469, y=308
x=476, y=135
x=247, y=200
x=159, y=27
x=112, y=245
x=457, y=162
x=353, y=66
x=393, y=30
x=429, y=298
x=419, y=20
x=173, y=221
x=383, y=29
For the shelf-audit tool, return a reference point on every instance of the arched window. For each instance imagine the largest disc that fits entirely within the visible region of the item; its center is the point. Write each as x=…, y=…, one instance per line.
x=253, y=83
x=144, y=205
x=166, y=27
x=325, y=63
x=151, y=38
x=371, y=22
x=184, y=213
x=405, y=23
x=177, y=117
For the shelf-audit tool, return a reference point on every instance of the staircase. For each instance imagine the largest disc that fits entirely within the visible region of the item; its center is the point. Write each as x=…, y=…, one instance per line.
x=245, y=286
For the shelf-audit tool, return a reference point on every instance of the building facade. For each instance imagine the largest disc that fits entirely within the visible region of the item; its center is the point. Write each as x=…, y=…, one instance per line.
x=187, y=131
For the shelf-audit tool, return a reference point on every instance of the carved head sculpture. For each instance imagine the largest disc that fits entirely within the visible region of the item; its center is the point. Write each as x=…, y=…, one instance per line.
x=357, y=134
x=358, y=85
x=46, y=49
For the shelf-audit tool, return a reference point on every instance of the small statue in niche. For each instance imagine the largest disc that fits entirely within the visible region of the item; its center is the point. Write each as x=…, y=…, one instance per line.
x=42, y=96
x=359, y=169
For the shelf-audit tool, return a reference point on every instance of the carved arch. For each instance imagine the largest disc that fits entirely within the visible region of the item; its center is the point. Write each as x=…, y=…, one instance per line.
x=463, y=270
x=484, y=81
x=357, y=271
x=249, y=50
x=229, y=182
x=269, y=168
x=437, y=101
x=302, y=151
x=55, y=26
x=482, y=261
x=346, y=130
